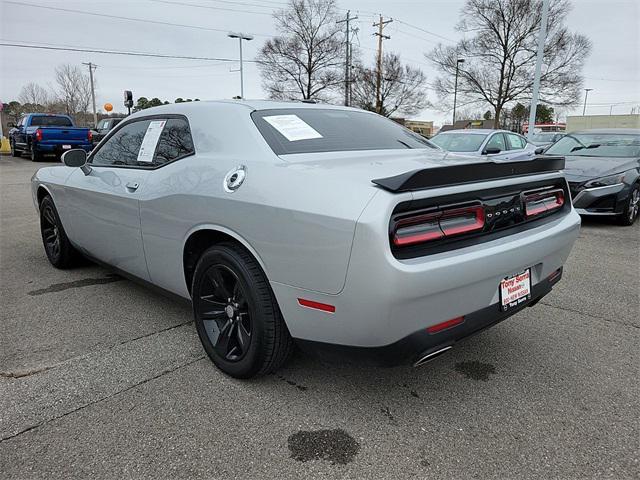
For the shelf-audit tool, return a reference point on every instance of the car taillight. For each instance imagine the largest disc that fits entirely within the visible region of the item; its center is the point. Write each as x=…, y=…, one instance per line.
x=39, y=134
x=437, y=225
x=539, y=203
x=90, y=135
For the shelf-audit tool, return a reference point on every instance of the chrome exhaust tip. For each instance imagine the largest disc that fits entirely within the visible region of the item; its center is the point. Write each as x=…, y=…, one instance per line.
x=430, y=356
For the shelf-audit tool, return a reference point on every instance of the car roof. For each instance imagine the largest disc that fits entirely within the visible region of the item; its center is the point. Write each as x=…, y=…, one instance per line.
x=242, y=104
x=635, y=131
x=476, y=131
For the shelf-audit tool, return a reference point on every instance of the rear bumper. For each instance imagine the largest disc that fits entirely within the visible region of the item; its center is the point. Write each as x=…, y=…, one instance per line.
x=386, y=300
x=58, y=148
x=421, y=343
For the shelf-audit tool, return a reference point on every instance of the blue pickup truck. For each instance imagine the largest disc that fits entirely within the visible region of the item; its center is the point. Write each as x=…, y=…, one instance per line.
x=40, y=134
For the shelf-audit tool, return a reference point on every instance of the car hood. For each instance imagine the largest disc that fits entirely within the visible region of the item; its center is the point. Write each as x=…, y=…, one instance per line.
x=580, y=168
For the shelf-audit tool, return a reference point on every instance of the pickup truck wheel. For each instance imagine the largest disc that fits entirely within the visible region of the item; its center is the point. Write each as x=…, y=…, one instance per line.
x=14, y=152
x=236, y=314
x=59, y=250
x=36, y=156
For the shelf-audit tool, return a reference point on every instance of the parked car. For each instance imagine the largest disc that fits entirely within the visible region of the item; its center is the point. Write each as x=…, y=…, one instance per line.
x=603, y=170
x=544, y=139
x=497, y=144
x=104, y=126
x=41, y=134
x=332, y=226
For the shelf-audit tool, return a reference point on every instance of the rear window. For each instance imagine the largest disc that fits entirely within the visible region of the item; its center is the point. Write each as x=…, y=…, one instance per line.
x=50, y=121
x=459, y=142
x=310, y=130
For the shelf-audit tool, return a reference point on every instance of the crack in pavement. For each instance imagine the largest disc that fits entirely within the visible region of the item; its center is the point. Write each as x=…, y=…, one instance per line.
x=89, y=404
x=36, y=370
x=597, y=317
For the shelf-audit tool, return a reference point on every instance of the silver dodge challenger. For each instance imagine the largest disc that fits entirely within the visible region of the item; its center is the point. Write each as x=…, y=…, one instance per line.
x=328, y=227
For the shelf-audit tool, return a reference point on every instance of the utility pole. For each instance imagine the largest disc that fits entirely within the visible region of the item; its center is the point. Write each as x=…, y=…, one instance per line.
x=455, y=89
x=381, y=24
x=586, y=94
x=536, y=79
x=92, y=67
x=347, y=64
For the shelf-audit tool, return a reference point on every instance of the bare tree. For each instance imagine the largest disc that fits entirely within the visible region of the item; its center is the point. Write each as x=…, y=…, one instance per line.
x=73, y=89
x=500, y=55
x=402, y=90
x=36, y=95
x=306, y=59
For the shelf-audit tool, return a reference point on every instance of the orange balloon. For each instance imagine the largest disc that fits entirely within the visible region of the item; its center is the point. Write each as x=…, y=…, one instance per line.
x=108, y=107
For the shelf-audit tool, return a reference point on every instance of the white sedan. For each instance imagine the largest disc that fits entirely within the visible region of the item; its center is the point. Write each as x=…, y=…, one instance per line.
x=495, y=144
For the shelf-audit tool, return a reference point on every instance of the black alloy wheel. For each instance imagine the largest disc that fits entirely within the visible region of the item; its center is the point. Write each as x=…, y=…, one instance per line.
x=59, y=250
x=236, y=314
x=225, y=313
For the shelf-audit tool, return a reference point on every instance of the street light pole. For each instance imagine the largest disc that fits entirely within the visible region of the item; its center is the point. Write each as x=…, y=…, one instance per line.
x=240, y=37
x=586, y=94
x=455, y=90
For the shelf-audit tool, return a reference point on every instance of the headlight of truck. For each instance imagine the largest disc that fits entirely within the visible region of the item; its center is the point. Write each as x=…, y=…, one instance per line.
x=605, y=181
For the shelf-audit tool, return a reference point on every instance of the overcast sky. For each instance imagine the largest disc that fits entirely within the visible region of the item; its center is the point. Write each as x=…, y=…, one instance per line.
x=612, y=70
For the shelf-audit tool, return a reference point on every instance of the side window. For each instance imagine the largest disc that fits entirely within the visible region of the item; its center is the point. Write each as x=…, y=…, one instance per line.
x=123, y=147
x=516, y=142
x=496, y=141
x=175, y=142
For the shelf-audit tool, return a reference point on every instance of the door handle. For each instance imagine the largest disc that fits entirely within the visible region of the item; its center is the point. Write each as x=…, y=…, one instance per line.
x=133, y=186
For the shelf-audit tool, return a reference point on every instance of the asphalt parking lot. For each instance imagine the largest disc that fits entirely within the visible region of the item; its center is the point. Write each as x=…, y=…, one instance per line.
x=102, y=378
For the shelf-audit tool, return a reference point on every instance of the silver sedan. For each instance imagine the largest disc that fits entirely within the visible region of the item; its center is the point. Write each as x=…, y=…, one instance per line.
x=495, y=144
x=328, y=226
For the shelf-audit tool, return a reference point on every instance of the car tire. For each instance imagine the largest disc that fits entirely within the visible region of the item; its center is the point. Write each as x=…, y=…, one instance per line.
x=632, y=209
x=236, y=314
x=59, y=250
x=36, y=156
x=14, y=152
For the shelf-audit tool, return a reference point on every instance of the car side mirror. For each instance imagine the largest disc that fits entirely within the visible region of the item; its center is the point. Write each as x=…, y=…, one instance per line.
x=539, y=151
x=491, y=151
x=76, y=158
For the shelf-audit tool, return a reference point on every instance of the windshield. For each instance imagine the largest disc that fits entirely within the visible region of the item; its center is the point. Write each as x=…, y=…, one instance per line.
x=310, y=130
x=597, y=145
x=459, y=142
x=50, y=121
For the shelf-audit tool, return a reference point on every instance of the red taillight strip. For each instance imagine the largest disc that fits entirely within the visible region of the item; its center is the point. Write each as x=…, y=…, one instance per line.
x=435, y=225
x=438, y=327
x=39, y=134
x=477, y=224
x=538, y=203
x=325, y=307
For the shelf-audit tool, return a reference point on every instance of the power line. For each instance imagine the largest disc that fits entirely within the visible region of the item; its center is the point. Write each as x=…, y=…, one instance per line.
x=210, y=7
x=117, y=52
x=130, y=19
x=425, y=31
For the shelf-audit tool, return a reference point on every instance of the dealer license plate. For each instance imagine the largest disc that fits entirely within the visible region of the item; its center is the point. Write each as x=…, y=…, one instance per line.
x=515, y=290
x=66, y=147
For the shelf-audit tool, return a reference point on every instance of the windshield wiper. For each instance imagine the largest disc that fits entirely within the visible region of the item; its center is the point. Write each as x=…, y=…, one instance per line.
x=405, y=144
x=581, y=147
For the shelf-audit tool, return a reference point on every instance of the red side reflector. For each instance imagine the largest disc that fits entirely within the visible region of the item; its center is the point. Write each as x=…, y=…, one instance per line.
x=317, y=305
x=438, y=327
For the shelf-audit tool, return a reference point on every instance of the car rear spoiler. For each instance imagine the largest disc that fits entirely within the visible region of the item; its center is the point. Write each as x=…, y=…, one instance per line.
x=467, y=173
